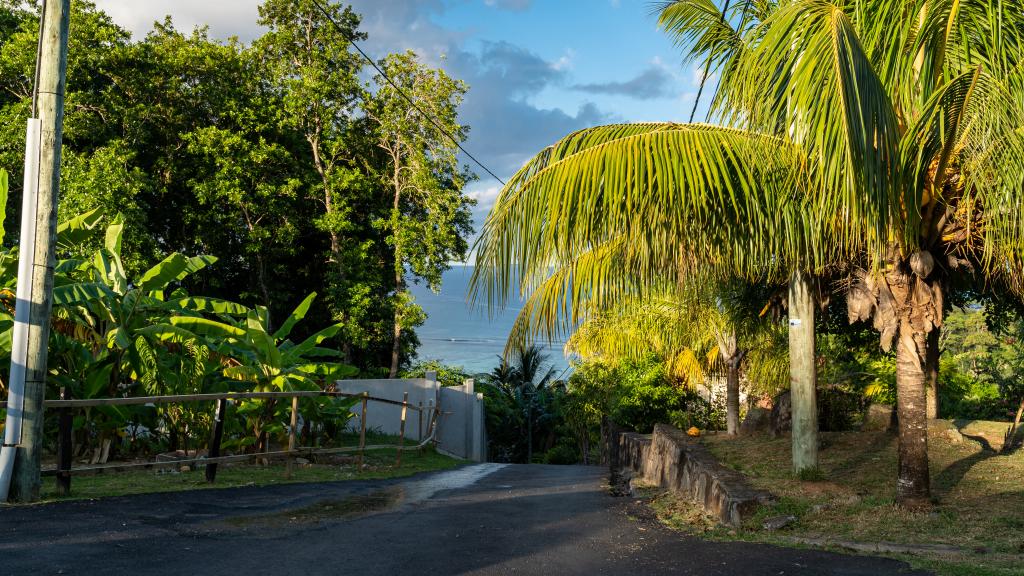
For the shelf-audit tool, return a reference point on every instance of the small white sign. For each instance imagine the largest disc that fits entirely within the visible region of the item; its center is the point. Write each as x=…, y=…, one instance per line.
x=795, y=322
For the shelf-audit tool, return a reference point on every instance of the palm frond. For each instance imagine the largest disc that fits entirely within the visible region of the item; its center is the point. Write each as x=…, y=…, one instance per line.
x=664, y=195
x=809, y=79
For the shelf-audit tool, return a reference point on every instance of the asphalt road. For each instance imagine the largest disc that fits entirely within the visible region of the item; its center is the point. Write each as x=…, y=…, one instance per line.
x=480, y=520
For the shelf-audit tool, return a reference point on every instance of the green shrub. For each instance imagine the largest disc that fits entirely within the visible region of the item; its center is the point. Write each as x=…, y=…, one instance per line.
x=636, y=395
x=839, y=410
x=562, y=454
x=447, y=375
x=962, y=396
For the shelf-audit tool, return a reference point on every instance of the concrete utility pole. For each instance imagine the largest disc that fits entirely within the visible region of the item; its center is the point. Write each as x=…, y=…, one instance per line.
x=803, y=373
x=51, y=76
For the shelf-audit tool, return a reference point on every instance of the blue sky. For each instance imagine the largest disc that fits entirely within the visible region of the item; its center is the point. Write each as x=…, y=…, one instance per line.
x=537, y=69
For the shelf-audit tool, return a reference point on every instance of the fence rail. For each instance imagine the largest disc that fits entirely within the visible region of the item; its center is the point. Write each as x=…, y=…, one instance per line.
x=64, y=405
x=183, y=398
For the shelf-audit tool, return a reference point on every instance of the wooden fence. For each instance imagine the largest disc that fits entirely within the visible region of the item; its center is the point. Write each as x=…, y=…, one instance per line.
x=64, y=406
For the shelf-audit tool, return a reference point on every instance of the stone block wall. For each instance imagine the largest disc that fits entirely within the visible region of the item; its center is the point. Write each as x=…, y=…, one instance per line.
x=672, y=460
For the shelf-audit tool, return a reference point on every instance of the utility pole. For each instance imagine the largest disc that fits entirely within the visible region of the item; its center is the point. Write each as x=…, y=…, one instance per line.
x=51, y=71
x=803, y=373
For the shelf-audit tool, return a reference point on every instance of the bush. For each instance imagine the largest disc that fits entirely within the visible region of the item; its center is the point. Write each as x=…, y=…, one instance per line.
x=645, y=395
x=636, y=395
x=839, y=409
x=961, y=396
x=562, y=454
x=447, y=375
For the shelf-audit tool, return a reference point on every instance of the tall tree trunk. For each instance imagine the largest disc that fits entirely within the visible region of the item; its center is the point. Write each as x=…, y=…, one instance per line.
x=396, y=346
x=396, y=341
x=803, y=373
x=931, y=373
x=913, y=484
x=732, y=397
x=261, y=269
x=336, y=257
x=399, y=280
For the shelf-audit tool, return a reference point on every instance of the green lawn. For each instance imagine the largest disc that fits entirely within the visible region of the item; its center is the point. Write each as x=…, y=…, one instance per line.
x=979, y=495
x=378, y=464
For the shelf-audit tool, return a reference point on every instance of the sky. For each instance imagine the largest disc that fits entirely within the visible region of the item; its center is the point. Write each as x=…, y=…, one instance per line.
x=537, y=69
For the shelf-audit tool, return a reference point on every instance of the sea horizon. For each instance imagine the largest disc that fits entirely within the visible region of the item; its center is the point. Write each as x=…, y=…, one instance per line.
x=459, y=334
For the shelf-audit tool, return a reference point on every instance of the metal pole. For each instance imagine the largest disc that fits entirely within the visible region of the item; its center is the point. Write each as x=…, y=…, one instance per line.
x=51, y=70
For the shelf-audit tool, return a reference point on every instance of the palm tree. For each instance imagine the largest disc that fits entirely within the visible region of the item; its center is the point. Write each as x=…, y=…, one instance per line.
x=526, y=380
x=697, y=331
x=878, y=142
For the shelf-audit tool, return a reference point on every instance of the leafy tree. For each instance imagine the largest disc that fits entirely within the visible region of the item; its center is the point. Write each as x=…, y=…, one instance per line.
x=429, y=217
x=311, y=67
x=261, y=153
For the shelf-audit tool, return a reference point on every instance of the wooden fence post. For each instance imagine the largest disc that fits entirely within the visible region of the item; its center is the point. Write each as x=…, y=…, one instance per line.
x=419, y=426
x=362, y=434
x=64, y=446
x=218, y=433
x=401, y=429
x=291, y=438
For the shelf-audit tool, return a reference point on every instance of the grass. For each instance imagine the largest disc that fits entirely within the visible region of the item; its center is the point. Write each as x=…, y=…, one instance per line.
x=378, y=464
x=978, y=509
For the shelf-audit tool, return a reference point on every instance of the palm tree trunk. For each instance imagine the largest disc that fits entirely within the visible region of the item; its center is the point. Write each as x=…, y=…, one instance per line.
x=732, y=397
x=913, y=484
x=803, y=373
x=931, y=372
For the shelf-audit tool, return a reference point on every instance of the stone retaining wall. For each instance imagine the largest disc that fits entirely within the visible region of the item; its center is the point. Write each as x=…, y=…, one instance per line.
x=671, y=459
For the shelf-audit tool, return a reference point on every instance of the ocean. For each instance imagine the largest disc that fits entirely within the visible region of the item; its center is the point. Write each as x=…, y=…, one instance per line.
x=458, y=334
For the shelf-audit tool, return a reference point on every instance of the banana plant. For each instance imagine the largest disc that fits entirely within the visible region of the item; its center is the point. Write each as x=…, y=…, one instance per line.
x=69, y=233
x=98, y=312
x=266, y=360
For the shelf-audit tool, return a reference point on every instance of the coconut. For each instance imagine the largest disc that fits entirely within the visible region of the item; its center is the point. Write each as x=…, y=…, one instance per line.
x=922, y=263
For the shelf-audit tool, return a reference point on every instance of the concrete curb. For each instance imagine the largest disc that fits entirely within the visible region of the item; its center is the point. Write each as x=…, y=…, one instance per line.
x=672, y=460
x=878, y=547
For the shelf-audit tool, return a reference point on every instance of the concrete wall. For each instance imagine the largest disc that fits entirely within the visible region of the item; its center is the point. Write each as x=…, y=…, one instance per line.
x=461, y=422
x=670, y=459
x=460, y=412
x=386, y=418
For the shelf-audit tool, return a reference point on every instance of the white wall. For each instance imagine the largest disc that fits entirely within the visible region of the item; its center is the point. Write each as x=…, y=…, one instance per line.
x=460, y=412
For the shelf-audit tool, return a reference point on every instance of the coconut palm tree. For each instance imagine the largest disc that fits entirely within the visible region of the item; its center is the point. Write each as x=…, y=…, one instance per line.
x=879, y=142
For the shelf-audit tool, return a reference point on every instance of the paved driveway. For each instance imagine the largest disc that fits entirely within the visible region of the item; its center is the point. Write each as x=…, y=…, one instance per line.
x=486, y=519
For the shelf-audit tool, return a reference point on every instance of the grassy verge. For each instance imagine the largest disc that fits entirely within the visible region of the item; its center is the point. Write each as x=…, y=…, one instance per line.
x=979, y=494
x=378, y=464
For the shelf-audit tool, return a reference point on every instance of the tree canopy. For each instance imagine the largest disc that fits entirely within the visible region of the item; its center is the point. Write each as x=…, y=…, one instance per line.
x=261, y=153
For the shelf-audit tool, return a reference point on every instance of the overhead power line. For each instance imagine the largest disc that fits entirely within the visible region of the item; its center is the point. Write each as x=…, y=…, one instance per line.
x=409, y=99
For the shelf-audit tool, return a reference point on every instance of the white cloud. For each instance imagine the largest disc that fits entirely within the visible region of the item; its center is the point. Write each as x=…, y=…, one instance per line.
x=515, y=5
x=565, y=61
x=698, y=76
x=485, y=195
x=224, y=17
